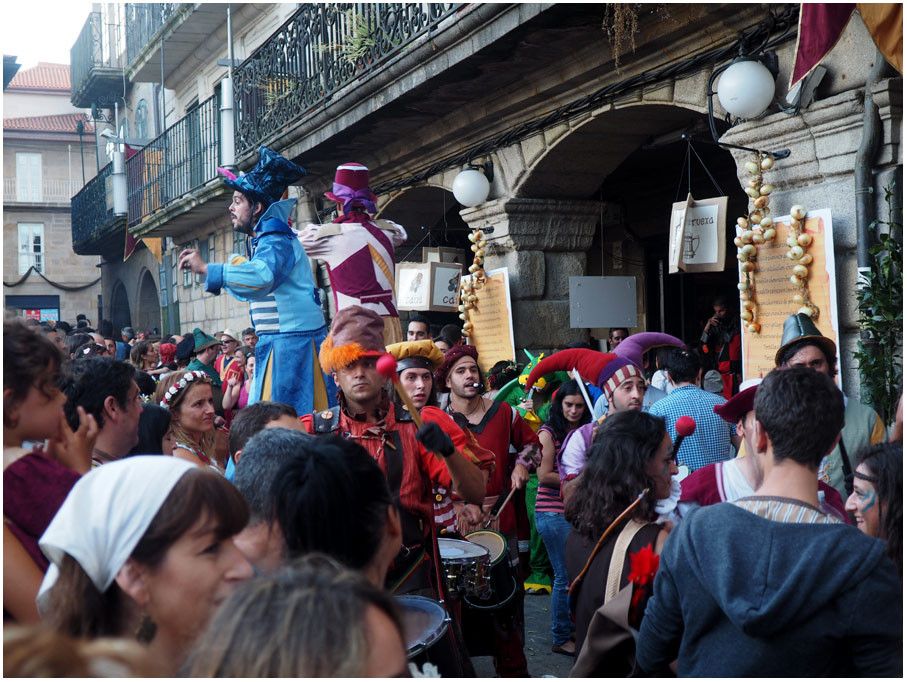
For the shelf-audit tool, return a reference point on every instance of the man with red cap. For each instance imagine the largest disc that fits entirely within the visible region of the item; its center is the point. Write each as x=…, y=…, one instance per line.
x=358, y=251
x=498, y=428
x=733, y=479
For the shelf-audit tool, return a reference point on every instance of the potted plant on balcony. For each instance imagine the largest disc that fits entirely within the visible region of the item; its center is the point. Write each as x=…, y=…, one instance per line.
x=357, y=42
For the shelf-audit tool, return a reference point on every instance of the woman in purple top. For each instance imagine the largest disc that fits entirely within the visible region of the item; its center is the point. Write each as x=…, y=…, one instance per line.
x=35, y=481
x=568, y=412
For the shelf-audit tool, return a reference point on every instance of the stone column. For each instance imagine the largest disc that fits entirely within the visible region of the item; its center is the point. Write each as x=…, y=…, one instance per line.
x=819, y=173
x=542, y=243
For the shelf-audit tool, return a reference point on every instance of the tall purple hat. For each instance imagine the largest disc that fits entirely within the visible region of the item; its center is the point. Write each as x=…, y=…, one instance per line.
x=635, y=346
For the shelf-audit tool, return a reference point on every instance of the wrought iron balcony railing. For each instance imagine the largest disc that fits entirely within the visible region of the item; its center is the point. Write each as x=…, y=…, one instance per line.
x=322, y=48
x=95, y=70
x=182, y=159
x=93, y=221
x=144, y=21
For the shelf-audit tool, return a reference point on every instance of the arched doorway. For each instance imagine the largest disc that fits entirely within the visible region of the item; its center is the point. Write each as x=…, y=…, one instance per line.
x=633, y=161
x=119, y=308
x=431, y=217
x=149, y=308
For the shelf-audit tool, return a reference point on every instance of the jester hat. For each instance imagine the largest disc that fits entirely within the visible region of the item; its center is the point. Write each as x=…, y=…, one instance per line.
x=605, y=370
x=269, y=179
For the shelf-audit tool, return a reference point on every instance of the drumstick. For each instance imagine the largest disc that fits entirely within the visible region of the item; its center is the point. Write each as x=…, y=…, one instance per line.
x=499, y=508
x=387, y=367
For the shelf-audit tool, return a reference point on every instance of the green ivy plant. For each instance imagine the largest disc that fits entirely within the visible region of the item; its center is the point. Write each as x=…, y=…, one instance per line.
x=880, y=298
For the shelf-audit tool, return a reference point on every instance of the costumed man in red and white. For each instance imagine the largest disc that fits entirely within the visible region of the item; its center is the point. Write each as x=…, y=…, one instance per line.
x=358, y=251
x=497, y=427
x=416, y=363
x=413, y=459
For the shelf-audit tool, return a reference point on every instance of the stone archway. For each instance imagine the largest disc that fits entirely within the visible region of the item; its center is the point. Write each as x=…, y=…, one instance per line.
x=149, y=308
x=553, y=212
x=120, y=315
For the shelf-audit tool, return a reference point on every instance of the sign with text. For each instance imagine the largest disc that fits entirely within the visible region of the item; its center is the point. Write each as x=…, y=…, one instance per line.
x=413, y=286
x=492, y=321
x=696, y=235
x=445, y=286
x=774, y=292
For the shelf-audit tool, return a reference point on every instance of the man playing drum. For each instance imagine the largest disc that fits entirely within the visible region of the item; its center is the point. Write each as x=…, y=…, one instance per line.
x=496, y=427
x=411, y=458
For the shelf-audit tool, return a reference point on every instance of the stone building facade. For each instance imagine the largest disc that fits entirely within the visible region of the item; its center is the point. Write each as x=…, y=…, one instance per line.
x=582, y=136
x=43, y=161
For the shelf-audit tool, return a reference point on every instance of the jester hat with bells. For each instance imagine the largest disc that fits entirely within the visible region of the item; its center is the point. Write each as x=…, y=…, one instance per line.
x=605, y=370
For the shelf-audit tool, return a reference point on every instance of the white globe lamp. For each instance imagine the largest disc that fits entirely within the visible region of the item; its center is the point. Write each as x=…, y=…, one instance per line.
x=471, y=187
x=746, y=89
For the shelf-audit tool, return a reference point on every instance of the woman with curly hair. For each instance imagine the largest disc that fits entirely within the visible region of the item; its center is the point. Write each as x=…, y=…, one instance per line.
x=629, y=462
x=877, y=497
x=189, y=397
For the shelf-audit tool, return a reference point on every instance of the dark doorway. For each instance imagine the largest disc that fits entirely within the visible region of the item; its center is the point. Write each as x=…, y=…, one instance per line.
x=119, y=308
x=645, y=186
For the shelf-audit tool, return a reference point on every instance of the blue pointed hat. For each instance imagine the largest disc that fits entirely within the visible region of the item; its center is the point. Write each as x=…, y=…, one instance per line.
x=268, y=180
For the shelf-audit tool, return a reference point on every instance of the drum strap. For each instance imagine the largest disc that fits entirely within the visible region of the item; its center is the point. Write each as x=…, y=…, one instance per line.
x=618, y=557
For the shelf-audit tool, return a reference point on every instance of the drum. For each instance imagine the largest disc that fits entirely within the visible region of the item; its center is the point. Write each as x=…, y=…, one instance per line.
x=465, y=568
x=424, y=622
x=502, y=576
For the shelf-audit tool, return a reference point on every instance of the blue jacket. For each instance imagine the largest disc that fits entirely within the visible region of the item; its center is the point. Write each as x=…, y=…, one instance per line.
x=737, y=595
x=276, y=280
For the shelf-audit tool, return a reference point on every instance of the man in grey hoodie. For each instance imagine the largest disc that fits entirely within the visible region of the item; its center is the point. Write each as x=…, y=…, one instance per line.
x=769, y=585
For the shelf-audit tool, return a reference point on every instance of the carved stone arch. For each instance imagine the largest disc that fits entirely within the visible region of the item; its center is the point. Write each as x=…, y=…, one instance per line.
x=571, y=160
x=148, y=304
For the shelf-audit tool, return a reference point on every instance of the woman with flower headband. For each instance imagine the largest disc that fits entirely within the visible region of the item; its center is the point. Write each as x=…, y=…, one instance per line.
x=190, y=399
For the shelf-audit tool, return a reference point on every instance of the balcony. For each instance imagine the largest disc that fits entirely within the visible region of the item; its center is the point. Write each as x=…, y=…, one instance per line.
x=48, y=192
x=96, y=231
x=96, y=70
x=184, y=28
x=170, y=180
x=320, y=50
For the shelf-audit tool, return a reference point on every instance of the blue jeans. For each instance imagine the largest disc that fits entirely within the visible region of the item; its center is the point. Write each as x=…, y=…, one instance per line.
x=554, y=529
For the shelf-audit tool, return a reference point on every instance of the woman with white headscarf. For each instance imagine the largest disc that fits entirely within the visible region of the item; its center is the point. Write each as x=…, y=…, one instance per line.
x=144, y=547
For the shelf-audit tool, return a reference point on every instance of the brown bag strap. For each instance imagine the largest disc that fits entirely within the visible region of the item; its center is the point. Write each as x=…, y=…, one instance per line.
x=619, y=556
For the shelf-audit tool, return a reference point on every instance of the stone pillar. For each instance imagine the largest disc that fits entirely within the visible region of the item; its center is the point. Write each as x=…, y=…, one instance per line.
x=819, y=173
x=542, y=243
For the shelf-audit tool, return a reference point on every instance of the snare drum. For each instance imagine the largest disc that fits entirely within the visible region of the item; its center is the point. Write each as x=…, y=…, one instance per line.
x=502, y=577
x=424, y=622
x=465, y=568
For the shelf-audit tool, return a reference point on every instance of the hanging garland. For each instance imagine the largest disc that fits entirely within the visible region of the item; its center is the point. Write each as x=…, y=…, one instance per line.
x=799, y=241
x=470, y=285
x=55, y=285
x=754, y=230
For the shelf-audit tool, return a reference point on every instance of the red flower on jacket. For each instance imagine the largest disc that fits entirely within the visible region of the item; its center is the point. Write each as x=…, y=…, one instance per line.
x=643, y=567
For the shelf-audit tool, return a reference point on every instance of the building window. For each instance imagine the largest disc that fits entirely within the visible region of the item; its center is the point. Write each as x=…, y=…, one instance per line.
x=28, y=177
x=187, y=274
x=239, y=243
x=31, y=247
x=204, y=251
x=141, y=120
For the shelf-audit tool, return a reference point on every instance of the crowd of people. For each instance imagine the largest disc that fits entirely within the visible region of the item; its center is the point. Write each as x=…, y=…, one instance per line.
x=305, y=500
x=121, y=559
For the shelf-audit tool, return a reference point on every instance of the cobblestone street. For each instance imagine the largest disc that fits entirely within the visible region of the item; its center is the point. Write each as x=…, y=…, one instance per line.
x=542, y=662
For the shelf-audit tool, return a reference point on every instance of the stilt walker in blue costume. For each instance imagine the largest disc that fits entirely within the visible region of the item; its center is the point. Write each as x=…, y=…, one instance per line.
x=276, y=279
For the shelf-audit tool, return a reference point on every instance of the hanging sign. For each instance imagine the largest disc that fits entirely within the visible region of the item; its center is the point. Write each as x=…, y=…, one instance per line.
x=413, y=286
x=696, y=235
x=773, y=292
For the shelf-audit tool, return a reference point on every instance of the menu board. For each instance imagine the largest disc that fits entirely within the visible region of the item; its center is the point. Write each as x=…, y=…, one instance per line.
x=774, y=292
x=492, y=321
